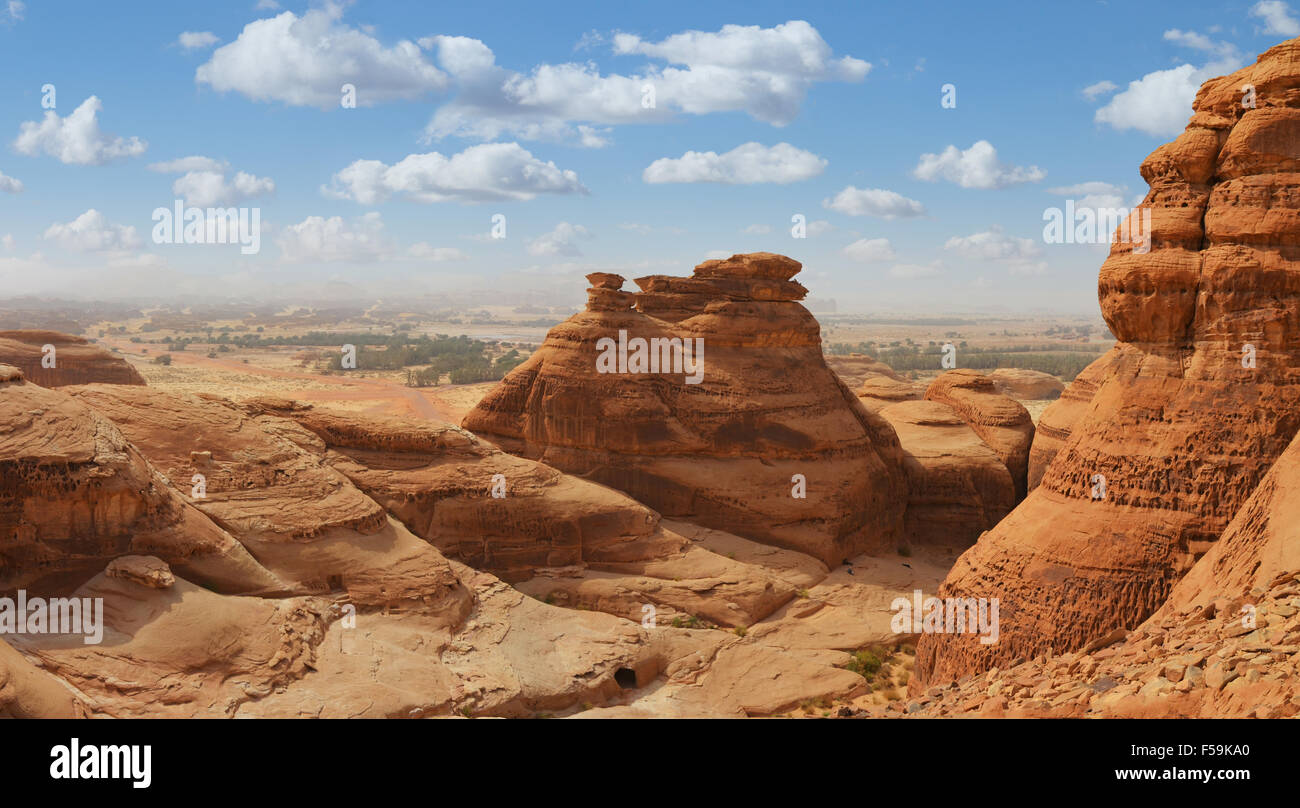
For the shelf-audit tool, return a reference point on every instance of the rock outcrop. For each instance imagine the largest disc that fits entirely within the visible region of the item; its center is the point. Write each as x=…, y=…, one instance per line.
x=1026, y=385
x=879, y=391
x=1190, y=409
x=74, y=494
x=1225, y=644
x=1001, y=422
x=730, y=442
x=958, y=487
x=53, y=359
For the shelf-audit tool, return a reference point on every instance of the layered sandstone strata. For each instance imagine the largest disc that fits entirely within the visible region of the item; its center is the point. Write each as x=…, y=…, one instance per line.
x=1186, y=413
x=878, y=391
x=53, y=359
x=74, y=493
x=766, y=422
x=300, y=518
x=1001, y=422
x=958, y=487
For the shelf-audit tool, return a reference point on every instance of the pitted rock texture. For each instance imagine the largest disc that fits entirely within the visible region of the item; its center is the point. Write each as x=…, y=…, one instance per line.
x=1189, y=410
x=724, y=452
x=74, y=360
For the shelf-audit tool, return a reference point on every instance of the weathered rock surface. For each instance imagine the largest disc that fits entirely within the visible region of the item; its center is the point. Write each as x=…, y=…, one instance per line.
x=855, y=369
x=878, y=391
x=1190, y=409
x=74, y=494
x=723, y=452
x=958, y=487
x=300, y=518
x=1026, y=385
x=26, y=691
x=75, y=360
x=1058, y=419
x=1001, y=422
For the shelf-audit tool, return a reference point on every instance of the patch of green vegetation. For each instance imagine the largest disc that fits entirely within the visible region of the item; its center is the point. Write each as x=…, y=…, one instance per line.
x=865, y=663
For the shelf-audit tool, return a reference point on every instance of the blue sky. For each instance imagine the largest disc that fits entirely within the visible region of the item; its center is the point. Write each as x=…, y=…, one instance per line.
x=536, y=112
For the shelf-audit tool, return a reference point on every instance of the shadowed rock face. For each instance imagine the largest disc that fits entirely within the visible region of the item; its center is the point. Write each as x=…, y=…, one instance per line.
x=722, y=452
x=1179, y=426
x=75, y=360
x=958, y=487
x=1001, y=422
x=75, y=493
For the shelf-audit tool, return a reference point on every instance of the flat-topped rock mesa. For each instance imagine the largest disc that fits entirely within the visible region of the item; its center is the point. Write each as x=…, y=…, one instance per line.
x=1026, y=385
x=75, y=359
x=725, y=451
x=74, y=494
x=1183, y=418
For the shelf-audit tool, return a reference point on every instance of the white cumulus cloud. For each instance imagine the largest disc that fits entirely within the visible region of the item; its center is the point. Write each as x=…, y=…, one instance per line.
x=76, y=139
x=305, y=61
x=91, y=232
x=1277, y=18
x=195, y=40
x=1092, y=91
x=483, y=173
x=976, y=167
x=874, y=202
x=764, y=72
x=331, y=240
x=208, y=188
x=560, y=241
x=994, y=245
x=10, y=185
x=747, y=164
x=1159, y=103
x=870, y=249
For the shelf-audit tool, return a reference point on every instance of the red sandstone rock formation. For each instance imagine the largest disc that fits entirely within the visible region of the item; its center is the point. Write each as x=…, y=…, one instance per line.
x=1225, y=644
x=1003, y=423
x=1180, y=425
x=74, y=493
x=958, y=487
x=878, y=391
x=724, y=452
x=1026, y=385
x=75, y=360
